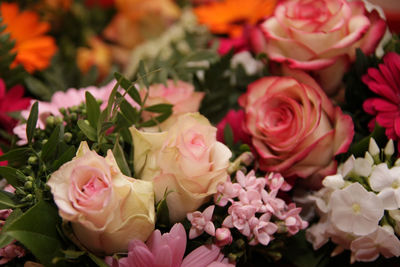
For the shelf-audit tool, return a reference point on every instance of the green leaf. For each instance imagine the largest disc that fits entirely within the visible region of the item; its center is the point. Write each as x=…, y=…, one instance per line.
x=13, y=176
x=162, y=212
x=92, y=109
x=65, y=157
x=16, y=154
x=7, y=200
x=50, y=147
x=36, y=230
x=121, y=160
x=122, y=81
x=142, y=74
x=32, y=120
x=97, y=260
x=159, y=108
x=88, y=130
x=228, y=135
x=129, y=112
x=156, y=120
x=5, y=239
x=38, y=88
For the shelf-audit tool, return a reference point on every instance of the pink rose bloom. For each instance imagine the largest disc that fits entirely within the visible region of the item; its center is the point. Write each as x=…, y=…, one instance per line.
x=319, y=36
x=178, y=93
x=294, y=127
x=235, y=119
x=167, y=250
x=106, y=208
x=385, y=82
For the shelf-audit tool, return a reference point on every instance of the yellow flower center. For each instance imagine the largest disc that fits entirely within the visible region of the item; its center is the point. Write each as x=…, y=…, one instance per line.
x=356, y=208
x=395, y=184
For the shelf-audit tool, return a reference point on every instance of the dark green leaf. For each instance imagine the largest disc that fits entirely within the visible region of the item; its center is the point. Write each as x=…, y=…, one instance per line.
x=65, y=157
x=121, y=122
x=7, y=200
x=228, y=135
x=143, y=74
x=162, y=212
x=122, y=81
x=16, y=154
x=32, y=120
x=121, y=160
x=133, y=92
x=38, y=88
x=88, y=130
x=50, y=147
x=92, y=109
x=156, y=120
x=129, y=112
x=4, y=238
x=36, y=230
x=13, y=176
x=160, y=108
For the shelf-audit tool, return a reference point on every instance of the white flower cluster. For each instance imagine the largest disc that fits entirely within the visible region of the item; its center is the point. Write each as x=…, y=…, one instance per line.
x=359, y=207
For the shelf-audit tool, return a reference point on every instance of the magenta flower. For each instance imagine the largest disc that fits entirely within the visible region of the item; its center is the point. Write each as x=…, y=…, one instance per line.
x=385, y=81
x=11, y=101
x=167, y=250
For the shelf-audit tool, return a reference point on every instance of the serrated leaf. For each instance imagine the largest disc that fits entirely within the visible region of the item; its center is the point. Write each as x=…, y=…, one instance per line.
x=92, y=109
x=88, y=130
x=50, y=147
x=159, y=108
x=36, y=230
x=13, y=176
x=121, y=160
x=32, y=120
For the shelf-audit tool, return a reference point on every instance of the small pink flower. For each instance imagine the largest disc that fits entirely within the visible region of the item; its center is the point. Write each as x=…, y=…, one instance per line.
x=264, y=230
x=10, y=252
x=292, y=219
x=276, y=182
x=201, y=222
x=239, y=216
x=226, y=192
x=250, y=181
x=223, y=236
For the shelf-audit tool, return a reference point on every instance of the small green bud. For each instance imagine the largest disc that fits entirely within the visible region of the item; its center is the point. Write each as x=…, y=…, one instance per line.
x=67, y=137
x=29, y=178
x=63, y=111
x=84, y=111
x=58, y=120
x=73, y=108
x=50, y=121
x=28, y=185
x=73, y=116
x=44, y=141
x=32, y=160
x=29, y=197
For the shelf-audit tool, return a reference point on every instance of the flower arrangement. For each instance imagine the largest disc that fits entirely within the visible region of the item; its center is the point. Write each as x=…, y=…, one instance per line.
x=199, y=133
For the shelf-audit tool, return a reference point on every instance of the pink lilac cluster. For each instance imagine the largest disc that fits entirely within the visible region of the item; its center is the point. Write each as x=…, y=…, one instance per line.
x=167, y=250
x=255, y=212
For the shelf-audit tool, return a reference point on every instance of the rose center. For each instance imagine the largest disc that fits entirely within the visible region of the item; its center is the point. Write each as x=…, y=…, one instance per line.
x=94, y=185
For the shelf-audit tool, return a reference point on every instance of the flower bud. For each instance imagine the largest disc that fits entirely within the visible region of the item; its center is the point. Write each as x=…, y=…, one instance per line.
x=50, y=121
x=374, y=150
x=389, y=149
x=32, y=160
x=223, y=236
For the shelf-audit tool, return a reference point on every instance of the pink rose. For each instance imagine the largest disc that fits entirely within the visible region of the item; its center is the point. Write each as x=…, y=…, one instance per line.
x=178, y=93
x=106, y=208
x=186, y=160
x=294, y=127
x=320, y=36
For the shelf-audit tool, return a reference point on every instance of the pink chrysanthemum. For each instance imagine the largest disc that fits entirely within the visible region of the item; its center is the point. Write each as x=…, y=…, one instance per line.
x=385, y=81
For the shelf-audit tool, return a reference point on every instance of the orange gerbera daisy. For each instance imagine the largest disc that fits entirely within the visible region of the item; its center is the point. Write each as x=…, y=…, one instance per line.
x=229, y=16
x=34, y=49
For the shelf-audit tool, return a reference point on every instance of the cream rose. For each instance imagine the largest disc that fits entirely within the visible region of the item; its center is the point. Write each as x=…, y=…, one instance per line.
x=294, y=127
x=319, y=36
x=106, y=208
x=178, y=93
x=186, y=159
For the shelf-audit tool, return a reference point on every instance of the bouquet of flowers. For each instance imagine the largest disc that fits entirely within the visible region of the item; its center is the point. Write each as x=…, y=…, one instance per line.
x=199, y=133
